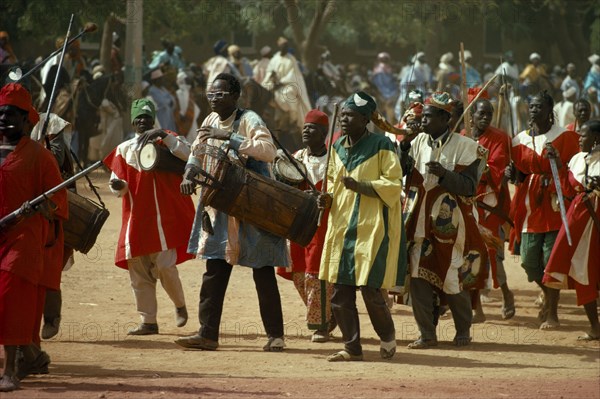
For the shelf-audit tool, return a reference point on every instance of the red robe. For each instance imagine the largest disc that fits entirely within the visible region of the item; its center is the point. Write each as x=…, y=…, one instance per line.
x=308, y=259
x=27, y=172
x=156, y=216
x=535, y=205
x=492, y=190
x=577, y=266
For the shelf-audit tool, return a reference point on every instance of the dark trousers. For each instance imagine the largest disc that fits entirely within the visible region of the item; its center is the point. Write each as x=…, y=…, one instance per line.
x=212, y=295
x=422, y=299
x=343, y=306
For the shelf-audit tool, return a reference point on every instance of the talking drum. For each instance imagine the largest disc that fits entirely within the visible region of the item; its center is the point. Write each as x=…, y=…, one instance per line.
x=263, y=202
x=156, y=157
x=86, y=218
x=285, y=172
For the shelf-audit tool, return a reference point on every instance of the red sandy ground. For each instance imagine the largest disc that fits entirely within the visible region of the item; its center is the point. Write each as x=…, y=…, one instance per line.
x=92, y=357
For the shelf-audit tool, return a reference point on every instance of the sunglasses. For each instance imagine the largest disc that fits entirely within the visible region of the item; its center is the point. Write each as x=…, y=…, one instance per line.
x=216, y=95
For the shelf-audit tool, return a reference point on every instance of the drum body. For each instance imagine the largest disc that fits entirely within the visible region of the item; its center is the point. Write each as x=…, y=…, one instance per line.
x=154, y=156
x=86, y=218
x=285, y=172
x=263, y=202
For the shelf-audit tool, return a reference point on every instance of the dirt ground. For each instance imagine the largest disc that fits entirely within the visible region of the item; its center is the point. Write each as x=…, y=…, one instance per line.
x=92, y=357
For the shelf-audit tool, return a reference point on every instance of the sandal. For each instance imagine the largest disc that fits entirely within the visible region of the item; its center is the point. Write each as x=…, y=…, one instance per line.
x=423, y=344
x=344, y=356
x=274, y=345
x=320, y=336
x=387, y=349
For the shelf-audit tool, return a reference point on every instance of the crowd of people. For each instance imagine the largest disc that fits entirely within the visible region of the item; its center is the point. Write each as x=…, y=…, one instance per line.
x=419, y=214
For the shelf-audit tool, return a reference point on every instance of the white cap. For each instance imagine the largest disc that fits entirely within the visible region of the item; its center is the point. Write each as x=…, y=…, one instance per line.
x=417, y=56
x=593, y=58
x=533, y=56
x=446, y=58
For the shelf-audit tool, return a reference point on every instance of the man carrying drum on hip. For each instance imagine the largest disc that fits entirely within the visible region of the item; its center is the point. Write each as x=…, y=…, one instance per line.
x=156, y=219
x=224, y=240
x=315, y=293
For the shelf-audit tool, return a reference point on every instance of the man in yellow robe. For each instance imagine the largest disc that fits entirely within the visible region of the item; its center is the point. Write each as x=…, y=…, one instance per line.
x=364, y=233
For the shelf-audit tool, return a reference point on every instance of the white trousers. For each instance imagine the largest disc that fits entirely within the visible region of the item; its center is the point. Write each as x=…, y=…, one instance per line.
x=144, y=271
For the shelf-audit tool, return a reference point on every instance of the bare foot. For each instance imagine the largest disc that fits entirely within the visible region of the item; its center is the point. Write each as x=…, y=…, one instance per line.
x=543, y=314
x=478, y=317
x=462, y=341
x=550, y=324
x=588, y=337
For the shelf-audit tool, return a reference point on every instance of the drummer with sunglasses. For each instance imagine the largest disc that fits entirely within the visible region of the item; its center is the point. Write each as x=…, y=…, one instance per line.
x=224, y=241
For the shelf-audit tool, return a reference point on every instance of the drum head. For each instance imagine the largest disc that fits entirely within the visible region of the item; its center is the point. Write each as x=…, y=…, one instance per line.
x=148, y=156
x=288, y=172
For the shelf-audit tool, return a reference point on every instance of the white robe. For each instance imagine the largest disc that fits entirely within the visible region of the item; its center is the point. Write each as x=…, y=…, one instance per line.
x=291, y=97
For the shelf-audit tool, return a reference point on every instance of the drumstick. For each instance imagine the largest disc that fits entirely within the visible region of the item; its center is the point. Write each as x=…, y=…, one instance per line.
x=293, y=161
x=331, y=130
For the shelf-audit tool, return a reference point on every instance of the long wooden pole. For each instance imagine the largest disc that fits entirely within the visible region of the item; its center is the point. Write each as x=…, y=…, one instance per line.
x=330, y=135
x=463, y=86
x=489, y=82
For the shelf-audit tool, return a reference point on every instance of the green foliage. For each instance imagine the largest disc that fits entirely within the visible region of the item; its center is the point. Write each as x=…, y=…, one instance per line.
x=385, y=22
x=595, y=35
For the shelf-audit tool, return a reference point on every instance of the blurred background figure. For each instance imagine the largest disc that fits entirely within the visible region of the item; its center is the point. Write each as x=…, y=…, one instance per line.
x=7, y=55
x=260, y=69
x=385, y=82
x=186, y=109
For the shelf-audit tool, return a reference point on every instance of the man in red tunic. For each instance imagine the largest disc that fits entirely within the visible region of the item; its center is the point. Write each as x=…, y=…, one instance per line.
x=493, y=199
x=157, y=220
x=26, y=171
x=315, y=293
x=577, y=265
x=536, y=214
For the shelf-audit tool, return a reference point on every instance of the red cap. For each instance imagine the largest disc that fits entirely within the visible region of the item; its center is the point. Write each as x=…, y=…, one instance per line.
x=473, y=91
x=317, y=117
x=16, y=95
x=415, y=110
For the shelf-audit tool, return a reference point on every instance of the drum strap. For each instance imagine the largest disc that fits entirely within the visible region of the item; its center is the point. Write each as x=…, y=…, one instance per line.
x=238, y=119
x=88, y=179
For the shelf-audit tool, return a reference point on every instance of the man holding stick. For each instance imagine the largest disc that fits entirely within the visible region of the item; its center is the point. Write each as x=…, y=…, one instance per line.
x=537, y=218
x=493, y=198
x=306, y=261
x=27, y=170
x=363, y=246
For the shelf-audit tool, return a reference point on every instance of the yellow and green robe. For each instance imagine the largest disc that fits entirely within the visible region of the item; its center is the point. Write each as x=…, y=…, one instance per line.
x=365, y=244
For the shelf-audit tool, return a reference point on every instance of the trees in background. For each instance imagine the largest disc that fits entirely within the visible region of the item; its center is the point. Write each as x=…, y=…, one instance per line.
x=572, y=26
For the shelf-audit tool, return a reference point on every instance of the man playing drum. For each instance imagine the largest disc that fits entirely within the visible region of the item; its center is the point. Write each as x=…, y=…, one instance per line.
x=315, y=293
x=156, y=219
x=363, y=246
x=224, y=240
